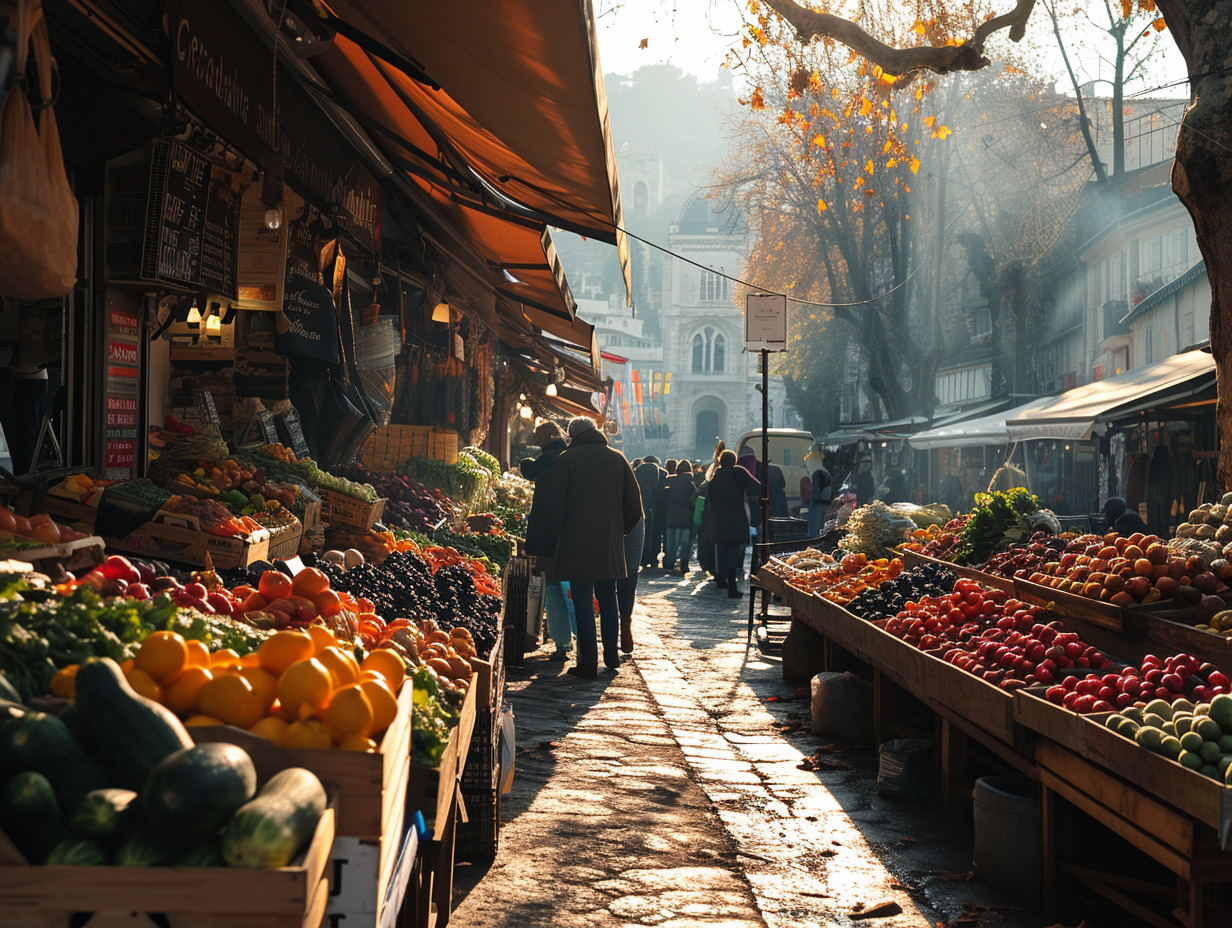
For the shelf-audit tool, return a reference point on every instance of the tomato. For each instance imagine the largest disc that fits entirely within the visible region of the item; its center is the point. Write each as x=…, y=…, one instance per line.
x=8, y=522
x=309, y=582
x=22, y=526
x=274, y=584
x=46, y=532
x=254, y=602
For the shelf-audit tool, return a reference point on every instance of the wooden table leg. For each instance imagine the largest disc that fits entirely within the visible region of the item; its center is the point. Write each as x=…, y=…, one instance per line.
x=954, y=768
x=442, y=889
x=883, y=706
x=1048, y=865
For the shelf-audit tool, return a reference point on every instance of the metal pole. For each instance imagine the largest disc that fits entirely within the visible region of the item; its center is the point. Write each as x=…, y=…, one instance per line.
x=765, y=446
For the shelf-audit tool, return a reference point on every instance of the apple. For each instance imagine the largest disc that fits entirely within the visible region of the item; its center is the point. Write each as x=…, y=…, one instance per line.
x=138, y=591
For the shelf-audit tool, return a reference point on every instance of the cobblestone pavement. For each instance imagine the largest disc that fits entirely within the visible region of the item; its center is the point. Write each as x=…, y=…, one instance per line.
x=669, y=794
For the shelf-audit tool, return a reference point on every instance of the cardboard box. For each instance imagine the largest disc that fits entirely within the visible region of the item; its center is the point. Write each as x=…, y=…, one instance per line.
x=171, y=536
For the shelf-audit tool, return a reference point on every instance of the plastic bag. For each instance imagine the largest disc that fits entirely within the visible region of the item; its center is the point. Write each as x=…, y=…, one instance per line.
x=842, y=706
x=508, y=742
x=905, y=768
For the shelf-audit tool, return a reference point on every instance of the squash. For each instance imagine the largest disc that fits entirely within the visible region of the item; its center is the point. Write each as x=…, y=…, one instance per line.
x=148, y=848
x=105, y=815
x=194, y=792
x=41, y=742
x=133, y=734
x=77, y=852
x=270, y=830
x=30, y=816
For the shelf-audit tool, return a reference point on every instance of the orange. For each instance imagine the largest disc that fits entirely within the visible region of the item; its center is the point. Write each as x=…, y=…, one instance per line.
x=198, y=653
x=201, y=721
x=271, y=727
x=248, y=660
x=341, y=664
x=349, y=713
x=306, y=683
x=126, y=666
x=284, y=648
x=358, y=743
x=143, y=684
x=322, y=638
x=310, y=734
x=264, y=684
x=223, y=658
x=231, y=698
x=182, y=692
x=274, y=584
x=64, y=683
x=384, y=705
x=309, y=582
x=162, y=655
x=387, y=664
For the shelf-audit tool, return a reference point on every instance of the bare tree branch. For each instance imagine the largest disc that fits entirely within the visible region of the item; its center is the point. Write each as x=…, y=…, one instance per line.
x=969, y=56
x=1083, y=123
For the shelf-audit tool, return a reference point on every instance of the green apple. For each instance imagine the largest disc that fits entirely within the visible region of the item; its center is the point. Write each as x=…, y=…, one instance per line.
x=1170, y=748
x=1190, y=759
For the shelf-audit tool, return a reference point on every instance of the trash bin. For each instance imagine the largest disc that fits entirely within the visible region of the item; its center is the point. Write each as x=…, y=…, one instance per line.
x=1008, y=850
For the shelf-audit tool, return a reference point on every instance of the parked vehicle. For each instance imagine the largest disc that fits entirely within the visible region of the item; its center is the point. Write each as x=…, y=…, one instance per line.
x=787, y=449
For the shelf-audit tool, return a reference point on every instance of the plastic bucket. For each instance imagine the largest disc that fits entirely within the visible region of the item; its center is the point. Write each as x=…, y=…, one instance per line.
x=1008, y=850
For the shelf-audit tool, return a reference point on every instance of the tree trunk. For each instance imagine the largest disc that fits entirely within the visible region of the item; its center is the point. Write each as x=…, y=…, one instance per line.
x=1118, y=109
x=1202, y=178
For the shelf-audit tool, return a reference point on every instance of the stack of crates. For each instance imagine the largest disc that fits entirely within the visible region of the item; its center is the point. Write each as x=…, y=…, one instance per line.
x=389, y=445
x=479, y=836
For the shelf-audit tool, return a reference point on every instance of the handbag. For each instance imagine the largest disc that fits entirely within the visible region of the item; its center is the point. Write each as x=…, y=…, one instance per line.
x=38, y=224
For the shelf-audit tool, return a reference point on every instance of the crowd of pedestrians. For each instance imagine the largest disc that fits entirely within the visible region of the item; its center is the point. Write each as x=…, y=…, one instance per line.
x=596, y=519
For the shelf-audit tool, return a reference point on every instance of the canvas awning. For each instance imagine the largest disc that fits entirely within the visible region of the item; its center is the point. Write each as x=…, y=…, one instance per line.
x=1076, y=413
x=973, y=432
x=518, y=97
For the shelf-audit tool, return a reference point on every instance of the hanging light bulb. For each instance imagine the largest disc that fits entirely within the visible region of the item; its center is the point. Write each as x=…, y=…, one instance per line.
x=194, y=316
x=522, y=397
x=213, y=325
x=273, y=218
x=551, y=390
x=440, y=312
x=526, y=412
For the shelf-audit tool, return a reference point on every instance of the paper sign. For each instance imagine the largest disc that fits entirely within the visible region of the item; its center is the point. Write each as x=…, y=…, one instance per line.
x=765, y=322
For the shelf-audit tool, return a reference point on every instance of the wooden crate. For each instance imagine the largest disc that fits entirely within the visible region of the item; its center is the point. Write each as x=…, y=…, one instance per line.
x=205, y=897
x=172, y=536
x=80, y=555
x=284, y=540
x=337, y=508
x=432, y=790
x=1105, y=615
x=443, y=445
x=390, y=445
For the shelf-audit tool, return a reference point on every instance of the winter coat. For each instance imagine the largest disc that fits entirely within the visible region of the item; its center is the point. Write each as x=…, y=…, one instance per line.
x=596, y=503
x=649, y=477
x=540, y=532
x=679, y=497
x=729, y=518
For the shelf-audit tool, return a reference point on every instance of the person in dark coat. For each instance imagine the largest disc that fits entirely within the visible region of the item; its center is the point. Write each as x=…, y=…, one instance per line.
x=678, y=512
x=863, y=483
x=659, y=545
x=727, y=492
x=596, y=503
x=541, y=534
x=821, y=491
x=649, y=477
x=1122, y=520
x=626, y=588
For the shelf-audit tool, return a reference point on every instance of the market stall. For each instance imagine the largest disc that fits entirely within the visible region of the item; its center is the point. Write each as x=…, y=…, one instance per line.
x=1065, y=659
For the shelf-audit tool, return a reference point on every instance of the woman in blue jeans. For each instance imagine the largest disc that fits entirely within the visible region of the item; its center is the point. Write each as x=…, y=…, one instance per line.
x=596, y=504
x=626, y=588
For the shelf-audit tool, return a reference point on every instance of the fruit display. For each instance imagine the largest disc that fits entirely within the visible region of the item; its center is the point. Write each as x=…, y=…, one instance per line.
x=1198, y=737
x=119, y=781
x=875, y=530
x=278, y=462
x=939, y=541
x=1169, y=681
x=410, y=505
x=81, y=487
x=18, y=533
x=214, y=517
x=466, y=480
x=847, y=579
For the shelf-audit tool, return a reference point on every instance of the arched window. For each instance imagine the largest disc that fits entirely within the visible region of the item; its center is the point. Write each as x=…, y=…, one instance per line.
x=699, y=354
x=709, y=352
x=718, y=355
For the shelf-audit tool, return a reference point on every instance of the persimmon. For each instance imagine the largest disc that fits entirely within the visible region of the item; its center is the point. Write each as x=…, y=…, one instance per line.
x=309, y=582
x=274, y=584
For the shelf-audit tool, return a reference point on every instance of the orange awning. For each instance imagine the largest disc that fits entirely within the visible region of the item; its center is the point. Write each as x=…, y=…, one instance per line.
x=521, y=99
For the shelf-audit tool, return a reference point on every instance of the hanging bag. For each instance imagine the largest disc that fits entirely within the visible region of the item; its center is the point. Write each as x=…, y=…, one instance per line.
x=38, y=223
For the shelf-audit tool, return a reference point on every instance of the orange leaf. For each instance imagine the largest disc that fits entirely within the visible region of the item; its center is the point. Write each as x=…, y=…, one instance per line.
x=821, y=206
x=868, y=168
x=1159, y=25
x=645, y=43
x=929, y=120
x=759, y=101
x=819, y=139
x=914, y=165
x=943, y=133
x=866, y=106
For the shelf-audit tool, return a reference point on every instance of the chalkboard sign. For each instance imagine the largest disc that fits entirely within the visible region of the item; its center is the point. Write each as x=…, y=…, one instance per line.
x=220, y=242
x=175, y=214
x=268, y=429
x=209, y=412
x=295, y=432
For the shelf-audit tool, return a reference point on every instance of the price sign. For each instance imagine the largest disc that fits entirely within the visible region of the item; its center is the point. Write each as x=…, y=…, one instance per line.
x=294, y=431
x=268, y=429
x=765, y=322
x=209, y=412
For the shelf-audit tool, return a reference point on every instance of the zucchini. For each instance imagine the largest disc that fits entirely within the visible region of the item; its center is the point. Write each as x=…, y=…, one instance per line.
x=195, y=792
x=30, y=815
x=133, y=734
x=270, y=830
x=206, y=854
x=41, y=742
x=105, y=815
x=77, y=852
x=147, y=847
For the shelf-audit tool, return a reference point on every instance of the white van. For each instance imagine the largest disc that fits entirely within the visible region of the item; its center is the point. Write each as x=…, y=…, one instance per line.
x=787, y=449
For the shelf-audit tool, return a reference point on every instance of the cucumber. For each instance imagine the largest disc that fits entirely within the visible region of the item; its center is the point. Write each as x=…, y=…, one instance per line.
x=133, y=734
x=147, y=847
x=206, y=854
x=195, y=792
x=105, y=815
x=77, y=852
x=30, y=815
x=41, y=742
x=270, y=830
x=8, y=691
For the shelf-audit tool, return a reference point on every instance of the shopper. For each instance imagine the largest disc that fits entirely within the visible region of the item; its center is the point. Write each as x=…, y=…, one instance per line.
x=727, y=491
x=649, y=477
x=820, y=491
x=541, y=534
x=678, y=512
x=596, y=504
x=864, y=484
x=626, y=587
x=1122, y=520
x=659, y=525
